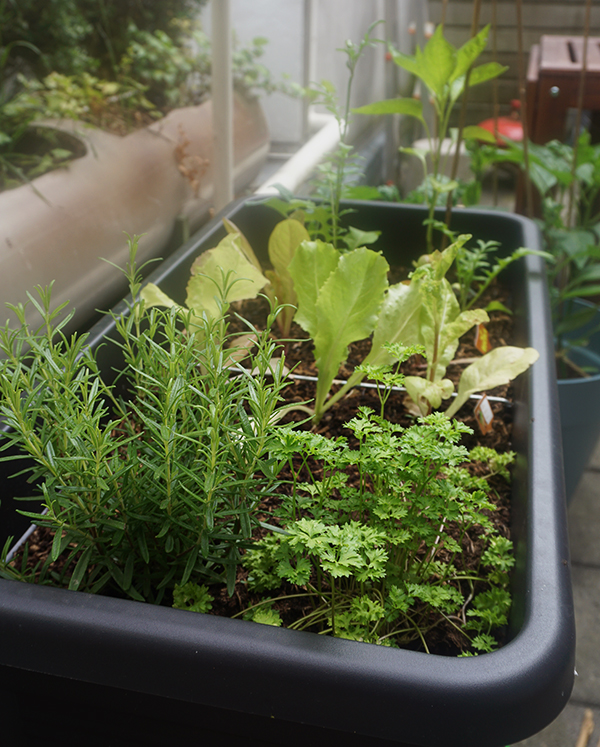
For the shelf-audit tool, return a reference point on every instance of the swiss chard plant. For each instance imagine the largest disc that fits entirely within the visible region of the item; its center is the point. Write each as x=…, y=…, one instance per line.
x=433, y=318
x=338, y=305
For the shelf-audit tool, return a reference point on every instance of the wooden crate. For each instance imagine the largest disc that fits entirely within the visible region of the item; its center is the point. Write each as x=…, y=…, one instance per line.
x=553, y=81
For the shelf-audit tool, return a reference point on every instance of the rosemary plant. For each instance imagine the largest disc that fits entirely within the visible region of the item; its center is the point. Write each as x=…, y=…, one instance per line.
x=152, y=479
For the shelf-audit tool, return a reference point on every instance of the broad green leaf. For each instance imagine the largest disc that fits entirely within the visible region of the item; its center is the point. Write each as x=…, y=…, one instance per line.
x=407, y=62
x=347, y=309
x=439, y=62
x=283, y=242
x=362, y=192
x=591, y=273
x=442, y=261
x=456, y=88
x=453, y=331
x=420, y=153
x=486, y=72
x=575, y=321
x=585, y=173
x=153, y=296
x=244, y=245
x=398, y=322
x=543, y=179
x=442, y=324
x=355, y=237
x=428, y=394
x=225, y=265
x=590, y=290
x=469, y=52
x=496, y=368
x=439, y=307
x=478, y=133
x=411, y=107
x=312, y=264
x=498, y=306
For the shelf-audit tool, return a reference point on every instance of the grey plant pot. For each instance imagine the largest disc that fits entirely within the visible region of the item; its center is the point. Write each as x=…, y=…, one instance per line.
x=126, y=673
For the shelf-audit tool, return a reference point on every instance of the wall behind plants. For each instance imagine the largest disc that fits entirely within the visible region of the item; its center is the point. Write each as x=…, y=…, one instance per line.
x=283, y=24
x=540, y=17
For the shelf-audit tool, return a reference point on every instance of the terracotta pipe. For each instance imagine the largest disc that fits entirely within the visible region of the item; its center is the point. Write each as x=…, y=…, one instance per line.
x=139, y=184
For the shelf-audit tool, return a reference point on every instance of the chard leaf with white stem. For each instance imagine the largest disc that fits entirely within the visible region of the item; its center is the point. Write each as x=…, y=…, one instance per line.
x=496, y=368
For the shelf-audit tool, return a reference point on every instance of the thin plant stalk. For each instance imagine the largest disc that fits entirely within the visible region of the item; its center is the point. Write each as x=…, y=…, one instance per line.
x=496, y=104
x=586, y=33
x=462, y=118
x=523, y=100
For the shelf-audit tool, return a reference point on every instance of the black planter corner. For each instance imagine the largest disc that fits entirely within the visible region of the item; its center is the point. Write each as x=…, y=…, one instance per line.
x=140, y=674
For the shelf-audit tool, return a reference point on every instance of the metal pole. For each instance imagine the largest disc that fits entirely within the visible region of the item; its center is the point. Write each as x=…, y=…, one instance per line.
x=222, y=103
x=391, y=90
x=309, y=60
x=523, y=99
x=571, y=221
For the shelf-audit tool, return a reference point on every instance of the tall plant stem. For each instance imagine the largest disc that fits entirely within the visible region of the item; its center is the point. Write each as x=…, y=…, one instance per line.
x=523, y=100
x=586, y=33
x=444, y=8
x=496, y=105
x=462, y=119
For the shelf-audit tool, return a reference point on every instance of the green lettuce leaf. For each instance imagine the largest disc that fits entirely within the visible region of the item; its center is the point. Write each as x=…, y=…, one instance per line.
x=220, y=276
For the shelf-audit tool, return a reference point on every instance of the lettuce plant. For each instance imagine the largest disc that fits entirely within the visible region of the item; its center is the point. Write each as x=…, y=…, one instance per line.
x=285, y=238
x=432, y=318
x=338, y=305
x=339, y=299
x=218, y=277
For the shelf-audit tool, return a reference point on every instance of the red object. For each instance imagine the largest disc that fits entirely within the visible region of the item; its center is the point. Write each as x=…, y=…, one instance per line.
x=510, y=127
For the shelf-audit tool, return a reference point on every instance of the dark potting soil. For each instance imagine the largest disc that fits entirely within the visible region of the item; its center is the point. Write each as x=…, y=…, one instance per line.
x=444, y=638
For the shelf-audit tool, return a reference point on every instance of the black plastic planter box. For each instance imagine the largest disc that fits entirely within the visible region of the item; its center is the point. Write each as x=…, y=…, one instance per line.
x=131, y=673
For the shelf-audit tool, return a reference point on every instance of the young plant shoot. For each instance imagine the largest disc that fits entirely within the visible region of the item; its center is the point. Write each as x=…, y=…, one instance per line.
x=446, y=72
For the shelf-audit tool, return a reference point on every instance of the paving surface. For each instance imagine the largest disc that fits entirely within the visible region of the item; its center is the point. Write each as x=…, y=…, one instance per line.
x=584, y=533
